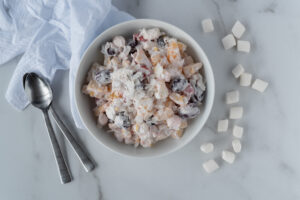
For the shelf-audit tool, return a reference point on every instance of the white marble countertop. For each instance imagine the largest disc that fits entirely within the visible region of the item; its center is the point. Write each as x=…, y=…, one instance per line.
x=267, y=168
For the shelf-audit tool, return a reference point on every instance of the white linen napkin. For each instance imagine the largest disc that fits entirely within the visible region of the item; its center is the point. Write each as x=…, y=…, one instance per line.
x=51, y=35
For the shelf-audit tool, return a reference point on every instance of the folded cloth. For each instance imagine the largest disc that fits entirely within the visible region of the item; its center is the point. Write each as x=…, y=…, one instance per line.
x=51, y=35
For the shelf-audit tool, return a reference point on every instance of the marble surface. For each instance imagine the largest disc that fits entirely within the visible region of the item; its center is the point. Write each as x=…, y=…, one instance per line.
x=267, y=168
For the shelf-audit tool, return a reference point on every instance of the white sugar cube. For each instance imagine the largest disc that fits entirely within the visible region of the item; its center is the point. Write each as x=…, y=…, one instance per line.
x=237, y=131
x=245, y=79
x=236, y=145
x=228, y=156
x=236, y=112
x=238, y=71
x=207, y=147
x=210, y=166
x=228, y=41
x=222, y=125
x=207, y=25
x=260, y=85
x=238, y=29
x=243, y=46
x=232, y=97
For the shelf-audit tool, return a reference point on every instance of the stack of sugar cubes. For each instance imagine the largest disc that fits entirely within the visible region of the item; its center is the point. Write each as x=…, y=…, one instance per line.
x=233, y=39
x=232, y=97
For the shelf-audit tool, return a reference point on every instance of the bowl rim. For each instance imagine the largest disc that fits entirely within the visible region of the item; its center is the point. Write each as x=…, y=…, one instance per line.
x=208, y=104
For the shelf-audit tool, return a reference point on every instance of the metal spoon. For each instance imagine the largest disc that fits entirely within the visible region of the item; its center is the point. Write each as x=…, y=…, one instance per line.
x=81, y=154
x=41, y=97
x=86, y=162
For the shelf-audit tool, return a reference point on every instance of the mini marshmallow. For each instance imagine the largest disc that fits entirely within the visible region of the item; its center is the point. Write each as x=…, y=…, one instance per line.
x=238, y=71
x=236, y=145
x=243, y=46
x=260, y=85
x=237, y=131
x=232, y=97
x=228, y=156
x=228, y=41
x=245, y=79
x=207, y=147
x=119, y=41
x=238, y=29
x=207, y=25
x=210, y=166
x=222, y=125
x=236, y=112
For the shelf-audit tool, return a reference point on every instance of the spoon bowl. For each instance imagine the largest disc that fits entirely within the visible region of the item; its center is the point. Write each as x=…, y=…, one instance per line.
x=37, y=90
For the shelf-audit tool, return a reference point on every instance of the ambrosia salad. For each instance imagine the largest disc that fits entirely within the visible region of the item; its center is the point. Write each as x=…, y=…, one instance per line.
x=147, y=87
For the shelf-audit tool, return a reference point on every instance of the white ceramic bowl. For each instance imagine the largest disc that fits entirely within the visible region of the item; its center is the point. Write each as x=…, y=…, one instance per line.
x=85, y=104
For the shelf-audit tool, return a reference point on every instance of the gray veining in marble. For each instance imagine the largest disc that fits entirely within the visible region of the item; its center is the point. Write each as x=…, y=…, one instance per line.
x=268, y=166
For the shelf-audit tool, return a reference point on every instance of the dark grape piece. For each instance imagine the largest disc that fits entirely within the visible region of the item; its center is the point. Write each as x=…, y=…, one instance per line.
x=132, y=50
x=178, y=84
x=125, y=119
x=140, y=82
x=198, y=96
x=150, y=121
x=143, y=83
x=103, y=77
x=111, y=51
x=132, y=43
x=160, y=41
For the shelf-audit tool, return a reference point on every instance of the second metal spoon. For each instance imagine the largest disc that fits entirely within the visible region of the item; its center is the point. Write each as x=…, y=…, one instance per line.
x=88, y=165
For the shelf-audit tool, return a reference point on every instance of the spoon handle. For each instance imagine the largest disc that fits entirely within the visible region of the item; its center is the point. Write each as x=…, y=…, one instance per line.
x=64, y=173
x=80, y=152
